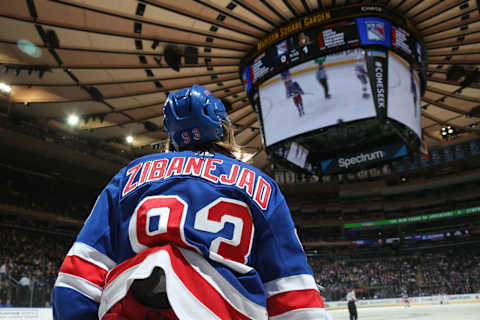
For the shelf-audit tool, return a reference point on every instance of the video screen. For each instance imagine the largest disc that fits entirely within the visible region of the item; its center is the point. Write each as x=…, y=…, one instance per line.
x=316, y=94
x=404, y=99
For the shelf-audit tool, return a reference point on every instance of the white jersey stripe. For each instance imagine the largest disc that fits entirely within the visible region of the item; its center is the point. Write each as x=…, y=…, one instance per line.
x=80, y=285
x=92, y=255
x=297, y=282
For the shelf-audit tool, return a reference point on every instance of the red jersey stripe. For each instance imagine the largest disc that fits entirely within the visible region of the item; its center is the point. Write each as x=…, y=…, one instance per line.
x=293, y=300
x=84, y=269
x=127, y=264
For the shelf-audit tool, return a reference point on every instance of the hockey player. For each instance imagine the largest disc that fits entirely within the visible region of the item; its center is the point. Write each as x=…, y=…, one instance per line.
x=189, y=234
x=362, y=75
x=321, y=76
x=295, y=91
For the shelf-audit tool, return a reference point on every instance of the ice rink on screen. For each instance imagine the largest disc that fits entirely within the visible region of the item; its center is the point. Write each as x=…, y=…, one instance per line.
x=280, y=116
x=433, y=312
x=401, y=105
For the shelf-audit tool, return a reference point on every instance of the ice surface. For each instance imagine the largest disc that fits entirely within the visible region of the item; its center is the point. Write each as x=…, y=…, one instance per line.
x=431, y=312
x=280, y=116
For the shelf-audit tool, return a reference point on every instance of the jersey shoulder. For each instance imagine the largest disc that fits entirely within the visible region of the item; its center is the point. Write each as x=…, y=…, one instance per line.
x=266, y=192
x=228, y=161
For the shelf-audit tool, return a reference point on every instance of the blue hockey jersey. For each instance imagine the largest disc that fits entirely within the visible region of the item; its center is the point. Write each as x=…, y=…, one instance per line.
x=293, y=89
x=214, y=224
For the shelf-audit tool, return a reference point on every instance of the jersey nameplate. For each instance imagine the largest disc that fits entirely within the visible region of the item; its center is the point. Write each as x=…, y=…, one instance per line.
x=242, y=178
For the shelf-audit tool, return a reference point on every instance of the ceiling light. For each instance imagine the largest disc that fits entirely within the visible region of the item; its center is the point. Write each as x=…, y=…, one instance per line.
x=5, y=88
x=449, y=132
x=129, y=139
x=73, y=120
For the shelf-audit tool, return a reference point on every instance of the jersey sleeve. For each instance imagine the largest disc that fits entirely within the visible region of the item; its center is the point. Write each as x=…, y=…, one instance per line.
x=288, y=279
x=78, y=288
x=300, y=90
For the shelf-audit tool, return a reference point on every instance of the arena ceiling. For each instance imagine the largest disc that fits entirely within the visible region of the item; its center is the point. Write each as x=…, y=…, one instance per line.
x=108, y=66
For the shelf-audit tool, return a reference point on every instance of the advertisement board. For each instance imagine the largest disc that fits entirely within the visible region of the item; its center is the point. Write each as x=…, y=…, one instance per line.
x=26, y=313
x=366, y=157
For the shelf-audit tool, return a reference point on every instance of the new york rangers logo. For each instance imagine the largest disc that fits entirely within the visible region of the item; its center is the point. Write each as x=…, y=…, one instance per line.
x=375, y=30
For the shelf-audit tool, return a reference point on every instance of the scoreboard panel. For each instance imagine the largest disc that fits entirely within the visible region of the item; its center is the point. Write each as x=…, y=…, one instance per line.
x=337, y=36
x=330, y=38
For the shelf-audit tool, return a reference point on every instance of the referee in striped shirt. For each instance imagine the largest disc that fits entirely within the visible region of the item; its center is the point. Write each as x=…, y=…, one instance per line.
x=352, y=308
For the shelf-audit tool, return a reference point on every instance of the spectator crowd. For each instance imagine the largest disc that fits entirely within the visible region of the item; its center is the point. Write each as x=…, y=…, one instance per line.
x=29, y=264
x=456, y=271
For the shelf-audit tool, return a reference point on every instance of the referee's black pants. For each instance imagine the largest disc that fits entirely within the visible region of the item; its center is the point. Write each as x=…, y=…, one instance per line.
x=352, y=308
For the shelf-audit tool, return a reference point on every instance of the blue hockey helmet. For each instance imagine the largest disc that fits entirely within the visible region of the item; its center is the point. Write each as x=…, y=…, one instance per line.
x=193, y=116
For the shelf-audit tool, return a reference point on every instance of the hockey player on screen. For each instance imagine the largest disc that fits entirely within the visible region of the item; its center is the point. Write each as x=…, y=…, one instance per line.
x=188, y=234
x=295, y=91
x=321, y=76
x=362, y=75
